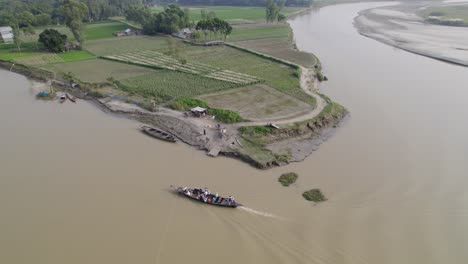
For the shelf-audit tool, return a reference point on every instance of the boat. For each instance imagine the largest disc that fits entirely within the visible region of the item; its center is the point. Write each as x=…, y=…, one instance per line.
x=71, y=98
x=62, y=99
x=199, y=195
x=158, y=133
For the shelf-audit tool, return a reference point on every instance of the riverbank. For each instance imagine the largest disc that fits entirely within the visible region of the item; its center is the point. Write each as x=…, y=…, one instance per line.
x=288, y=92
x=402, y=27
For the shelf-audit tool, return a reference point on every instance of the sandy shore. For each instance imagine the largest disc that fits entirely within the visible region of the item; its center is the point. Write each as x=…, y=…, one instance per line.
x=399, y=26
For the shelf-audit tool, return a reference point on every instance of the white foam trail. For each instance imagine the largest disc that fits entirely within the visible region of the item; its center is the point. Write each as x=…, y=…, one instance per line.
x=265, y=214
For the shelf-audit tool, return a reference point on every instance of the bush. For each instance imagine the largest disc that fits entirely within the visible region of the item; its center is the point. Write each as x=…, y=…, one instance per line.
x=225, y=116
x=185, y=104
x=288, y=178
x=314, y=195
x=53, y=40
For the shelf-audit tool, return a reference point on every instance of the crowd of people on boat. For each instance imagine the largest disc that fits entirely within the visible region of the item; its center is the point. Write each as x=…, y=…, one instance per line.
x=204, y=195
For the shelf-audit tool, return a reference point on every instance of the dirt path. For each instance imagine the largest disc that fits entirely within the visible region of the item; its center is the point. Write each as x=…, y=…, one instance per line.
x=309, y=85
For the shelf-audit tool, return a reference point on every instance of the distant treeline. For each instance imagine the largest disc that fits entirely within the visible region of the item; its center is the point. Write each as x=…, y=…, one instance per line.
x=234, y=2
x=45, y=12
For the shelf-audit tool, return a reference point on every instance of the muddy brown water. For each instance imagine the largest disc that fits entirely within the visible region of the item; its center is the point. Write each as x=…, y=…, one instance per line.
x=81, y=186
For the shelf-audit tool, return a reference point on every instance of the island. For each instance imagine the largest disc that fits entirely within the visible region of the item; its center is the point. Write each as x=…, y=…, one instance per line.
x=228, y=80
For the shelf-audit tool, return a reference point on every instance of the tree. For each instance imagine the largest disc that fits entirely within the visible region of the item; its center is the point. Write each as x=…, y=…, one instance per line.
x=53, y=40
x=169, y=21
x=42, y=20
x=281, y=17
x=74, y=12
x=138, y=13
x=272, y=11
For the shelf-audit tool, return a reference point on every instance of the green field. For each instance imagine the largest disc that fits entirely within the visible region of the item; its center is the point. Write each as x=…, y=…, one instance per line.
x=447, y=12
x=103, y=30
x=97, y=70
x=92, y=31
x=276, y=75
x=75, y=55
x=233, y=12
x=111, y=46
x=166, y=85
x=260, y=31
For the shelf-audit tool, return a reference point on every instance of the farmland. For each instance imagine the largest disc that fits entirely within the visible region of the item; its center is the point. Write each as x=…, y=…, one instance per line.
x=165, y=85
x=111, y=46
x=97, y=70
x=155, y=59
x=258, y=102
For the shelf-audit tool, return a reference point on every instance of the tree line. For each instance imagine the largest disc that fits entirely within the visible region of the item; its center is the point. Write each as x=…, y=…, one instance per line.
x=173, y=18
x=234, y=2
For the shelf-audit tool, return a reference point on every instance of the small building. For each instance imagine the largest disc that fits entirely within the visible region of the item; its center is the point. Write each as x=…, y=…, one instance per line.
x=185, y=33
x=72, y=45
x=6, y=34
x=199, y=111
x=126, y=32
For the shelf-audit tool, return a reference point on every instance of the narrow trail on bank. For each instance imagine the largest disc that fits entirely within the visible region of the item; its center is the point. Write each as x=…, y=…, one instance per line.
x=309, y=85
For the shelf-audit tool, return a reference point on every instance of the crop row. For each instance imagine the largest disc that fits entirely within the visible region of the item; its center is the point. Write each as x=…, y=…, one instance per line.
x=155, y=59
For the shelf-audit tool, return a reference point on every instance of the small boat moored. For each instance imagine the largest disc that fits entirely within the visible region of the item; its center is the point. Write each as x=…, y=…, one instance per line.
x=62, y=99
x=71, y=98
x=204, y=196
x=158, y=133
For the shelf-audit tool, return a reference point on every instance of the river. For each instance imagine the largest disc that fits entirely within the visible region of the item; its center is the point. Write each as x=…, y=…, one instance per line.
x=81, y=186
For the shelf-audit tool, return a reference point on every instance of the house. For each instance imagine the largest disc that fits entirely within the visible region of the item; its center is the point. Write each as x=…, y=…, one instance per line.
x=126, y=32
x=199, y=111
x=185, y=33
x=6, y=34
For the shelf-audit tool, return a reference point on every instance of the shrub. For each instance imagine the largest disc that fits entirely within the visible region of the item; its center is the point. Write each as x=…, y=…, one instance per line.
x=287, y=179
x=314, y=195
x=225, y=116
x=184, y=104
x=53, y=40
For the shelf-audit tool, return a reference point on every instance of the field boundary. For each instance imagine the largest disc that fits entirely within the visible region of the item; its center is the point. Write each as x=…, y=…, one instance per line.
x=265, y=56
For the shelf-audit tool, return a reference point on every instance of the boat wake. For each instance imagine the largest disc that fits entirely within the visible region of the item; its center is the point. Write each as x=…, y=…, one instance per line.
x=253, y=211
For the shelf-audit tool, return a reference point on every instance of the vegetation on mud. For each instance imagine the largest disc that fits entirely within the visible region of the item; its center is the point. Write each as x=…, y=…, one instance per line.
x=314, y=195
x=287, y=179
x=221, y=115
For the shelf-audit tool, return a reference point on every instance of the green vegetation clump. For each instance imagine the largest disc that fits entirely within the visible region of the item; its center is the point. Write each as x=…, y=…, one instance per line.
x=185, y=104
x=53, y=40
x=255, y=130
x=314, y=195
x=287, y=179
x=225, y=116
x=168, y=85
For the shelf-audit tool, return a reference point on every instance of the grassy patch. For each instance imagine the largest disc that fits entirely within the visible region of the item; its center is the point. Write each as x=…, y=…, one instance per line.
x=185, y=104
x=75, y=55
x=314, y=195
x=287, y=179
x=225, y=116
x=40, y=59
x=97, y=70
x=103, y=30
x=110, y=46
x=264, y=31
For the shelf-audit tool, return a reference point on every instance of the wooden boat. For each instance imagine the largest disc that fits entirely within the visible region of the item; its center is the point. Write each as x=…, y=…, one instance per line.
x=158, y=133
x=71, y=98
x=198, y=195
x=62, y=99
